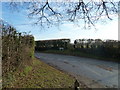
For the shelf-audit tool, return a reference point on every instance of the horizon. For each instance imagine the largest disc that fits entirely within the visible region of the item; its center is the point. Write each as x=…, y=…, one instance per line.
x=76, y=39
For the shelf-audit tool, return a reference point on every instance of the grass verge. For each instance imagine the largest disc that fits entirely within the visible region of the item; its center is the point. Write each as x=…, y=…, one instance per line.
x=40, y=75
x=80, y=54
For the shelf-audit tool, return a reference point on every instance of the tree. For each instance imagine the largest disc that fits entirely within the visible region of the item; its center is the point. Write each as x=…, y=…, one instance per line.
x=88, y=11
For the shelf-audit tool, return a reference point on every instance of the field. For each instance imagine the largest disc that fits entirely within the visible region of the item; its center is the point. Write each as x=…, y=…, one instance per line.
x=80, y=54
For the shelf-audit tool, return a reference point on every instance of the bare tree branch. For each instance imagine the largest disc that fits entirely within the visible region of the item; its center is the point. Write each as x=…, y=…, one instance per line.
x=90, y=11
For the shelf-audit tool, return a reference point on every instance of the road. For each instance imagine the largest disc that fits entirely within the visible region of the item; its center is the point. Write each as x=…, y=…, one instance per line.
x=94, y=73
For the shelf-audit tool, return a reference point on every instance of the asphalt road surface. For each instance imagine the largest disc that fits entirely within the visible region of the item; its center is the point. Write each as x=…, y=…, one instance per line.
x=94, y=73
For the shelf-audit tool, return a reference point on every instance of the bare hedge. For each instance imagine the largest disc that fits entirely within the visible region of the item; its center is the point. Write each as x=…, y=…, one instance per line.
x=17, y=48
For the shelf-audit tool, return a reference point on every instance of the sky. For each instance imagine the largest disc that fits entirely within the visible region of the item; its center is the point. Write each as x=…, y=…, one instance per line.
x=105, y=29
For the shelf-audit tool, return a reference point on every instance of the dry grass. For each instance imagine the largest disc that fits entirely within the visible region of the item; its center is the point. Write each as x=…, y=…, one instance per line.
x=41, y=75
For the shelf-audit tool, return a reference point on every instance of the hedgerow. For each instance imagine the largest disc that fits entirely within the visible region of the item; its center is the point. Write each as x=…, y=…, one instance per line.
x=17, y=49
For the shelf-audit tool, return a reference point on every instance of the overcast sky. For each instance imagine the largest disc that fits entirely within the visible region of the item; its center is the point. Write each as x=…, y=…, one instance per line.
x=104, y=30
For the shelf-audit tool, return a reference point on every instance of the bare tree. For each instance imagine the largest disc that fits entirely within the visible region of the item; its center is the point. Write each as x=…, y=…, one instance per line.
x=88, y=11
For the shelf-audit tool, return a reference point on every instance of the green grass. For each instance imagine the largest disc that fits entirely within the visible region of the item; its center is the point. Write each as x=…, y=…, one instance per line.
x=81, y=54
x=27, y=70
x=40, y=75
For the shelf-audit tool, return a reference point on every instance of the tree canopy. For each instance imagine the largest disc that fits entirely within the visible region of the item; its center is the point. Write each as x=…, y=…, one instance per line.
x=52, y=12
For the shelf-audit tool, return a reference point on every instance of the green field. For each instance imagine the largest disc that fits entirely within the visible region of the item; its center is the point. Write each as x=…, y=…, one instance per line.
x=80, y=54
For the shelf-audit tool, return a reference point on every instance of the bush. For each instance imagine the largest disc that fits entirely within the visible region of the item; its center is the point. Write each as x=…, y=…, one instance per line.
x=17, y=49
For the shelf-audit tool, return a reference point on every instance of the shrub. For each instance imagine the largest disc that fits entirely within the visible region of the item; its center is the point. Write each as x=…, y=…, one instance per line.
x=17, y=49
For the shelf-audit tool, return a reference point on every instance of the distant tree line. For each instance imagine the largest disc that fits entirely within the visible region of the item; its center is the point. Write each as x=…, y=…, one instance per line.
x=17, y=48
x=52, y=44
x=96, y=47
